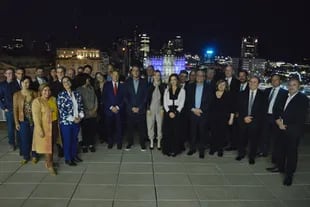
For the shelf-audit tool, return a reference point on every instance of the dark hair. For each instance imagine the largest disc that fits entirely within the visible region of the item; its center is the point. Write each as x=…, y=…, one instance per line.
x=82, y=79
x=88, y=66
x=243, y=71
x=26, y=78
x=135, y=65
x=219, y=82
x=20, y=68
x=61, y=67
x=39, y=68
x=67, y=77
x=11, y=69
x=176, y=76
x=151, y=66
x=184, y=72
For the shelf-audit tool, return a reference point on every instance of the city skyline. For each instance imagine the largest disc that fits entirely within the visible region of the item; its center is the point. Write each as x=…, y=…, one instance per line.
x=215, y=24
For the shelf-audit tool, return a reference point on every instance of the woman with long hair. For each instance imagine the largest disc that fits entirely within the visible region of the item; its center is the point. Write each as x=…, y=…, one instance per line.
x=174, y=98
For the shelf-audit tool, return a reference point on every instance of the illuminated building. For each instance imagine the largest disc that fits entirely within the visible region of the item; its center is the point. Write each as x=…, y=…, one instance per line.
x=249, y=47
x=144, y=45
x=167, y=64
x=76, y=57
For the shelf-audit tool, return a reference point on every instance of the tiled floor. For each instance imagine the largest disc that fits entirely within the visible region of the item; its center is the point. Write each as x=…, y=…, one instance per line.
x=149, y=179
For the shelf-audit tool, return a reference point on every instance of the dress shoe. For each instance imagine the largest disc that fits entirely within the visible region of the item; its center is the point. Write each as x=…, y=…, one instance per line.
x=85, y=149
x=70, y=163
x=211, y=152
x=92, y=148
x=239, y=158
x=261, y=154
x=288, y=180
x=201, y=155
x=77, y=159
x=173, y=154
x=119, y=146
x=110, y=146
x=128, y=147
x=220, y=153
x=273, y=169
x=191, y=152
x=251, y=161
x=143, y=148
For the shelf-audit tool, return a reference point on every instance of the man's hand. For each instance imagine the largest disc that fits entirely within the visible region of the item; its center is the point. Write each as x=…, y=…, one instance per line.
x=135, y=109
x=280, y=124
x=171, y=115
x=197, y=112
x=248, y=119
x=77, y=120
x=17, y=127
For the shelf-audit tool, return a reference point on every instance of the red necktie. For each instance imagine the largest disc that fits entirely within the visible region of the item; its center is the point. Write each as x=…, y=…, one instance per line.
x=115, y=89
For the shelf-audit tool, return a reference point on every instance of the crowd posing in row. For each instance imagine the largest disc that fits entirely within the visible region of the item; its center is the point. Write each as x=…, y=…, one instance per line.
x=206, y=109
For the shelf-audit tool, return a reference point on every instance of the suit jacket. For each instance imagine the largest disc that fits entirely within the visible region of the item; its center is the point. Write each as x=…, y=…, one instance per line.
x=136, y=100
x=234, y=85
x=294, y=116
x=110, y=99
x=279, y=101
x=6, y=94
x=56, y=88
x=18, y=105
x=150, y=91
x=257, y=108
x=35, y=84
x=206, y=99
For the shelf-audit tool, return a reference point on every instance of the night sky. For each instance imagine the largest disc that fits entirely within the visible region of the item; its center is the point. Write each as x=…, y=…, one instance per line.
x=282, y=28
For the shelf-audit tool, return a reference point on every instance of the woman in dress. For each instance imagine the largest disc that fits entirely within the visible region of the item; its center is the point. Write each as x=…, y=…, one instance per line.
x=222, y=116
x=44, y=110
x=99, y=86
x=71, y=113
x=22, y=103
x=174, y=98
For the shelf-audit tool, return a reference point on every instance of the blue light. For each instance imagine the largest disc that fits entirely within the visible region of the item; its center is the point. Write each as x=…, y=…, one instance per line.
x=210, y=52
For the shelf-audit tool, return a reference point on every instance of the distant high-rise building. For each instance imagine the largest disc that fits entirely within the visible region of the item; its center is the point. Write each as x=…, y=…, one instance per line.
x=249, y=47
x=144, y=45
x=178, y=44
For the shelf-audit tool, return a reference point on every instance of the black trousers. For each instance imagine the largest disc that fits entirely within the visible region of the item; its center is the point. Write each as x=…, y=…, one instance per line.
x=249, y=136
x=136, y=121
x=219, y=130
x=269, y=132
x=233, y=133
x=114, y=128
x=288, y=142
x=88, y=131
x=197, y=132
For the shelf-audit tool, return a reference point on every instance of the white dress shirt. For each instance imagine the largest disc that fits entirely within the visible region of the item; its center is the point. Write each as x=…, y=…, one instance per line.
x=272, y=99
x=288, y=100
x=228, y=79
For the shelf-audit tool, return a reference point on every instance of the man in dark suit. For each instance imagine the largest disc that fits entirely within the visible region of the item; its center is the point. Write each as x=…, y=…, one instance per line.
x=135, y=100
x=198, y=101
x=149, y=75
x=234, y=89
x=56, y=86
x=39, y=79
x=290, y=120
x=113, y=96
x=232, y=82
x=250, y=107
x=274, y=98
x=243, y=79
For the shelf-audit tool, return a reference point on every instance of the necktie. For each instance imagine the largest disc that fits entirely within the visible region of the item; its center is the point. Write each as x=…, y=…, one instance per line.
x=241, y=87
x=271, y=95
x=115, y=89
x=250, y=103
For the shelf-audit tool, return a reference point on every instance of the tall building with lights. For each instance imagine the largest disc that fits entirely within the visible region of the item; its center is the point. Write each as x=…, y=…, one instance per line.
x=249, y=47
x=76, y=57
x=144, y=45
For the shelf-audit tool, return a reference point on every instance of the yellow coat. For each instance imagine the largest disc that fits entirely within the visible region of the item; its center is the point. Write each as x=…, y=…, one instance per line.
x=42, y=118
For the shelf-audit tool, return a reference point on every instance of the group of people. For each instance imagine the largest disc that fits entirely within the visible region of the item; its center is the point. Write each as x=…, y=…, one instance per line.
x=204, y=109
